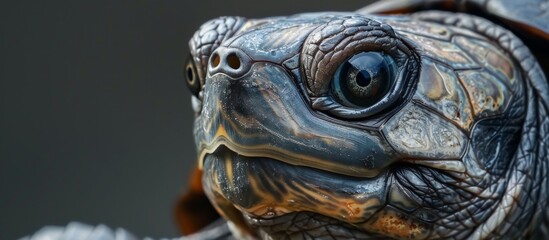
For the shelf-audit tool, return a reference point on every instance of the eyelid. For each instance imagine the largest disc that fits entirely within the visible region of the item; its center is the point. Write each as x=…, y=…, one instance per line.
x=193, y=81
x=332, y=43
x=328, y=46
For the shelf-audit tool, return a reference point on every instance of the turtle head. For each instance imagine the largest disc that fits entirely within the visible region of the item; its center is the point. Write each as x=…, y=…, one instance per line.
x=350, y=126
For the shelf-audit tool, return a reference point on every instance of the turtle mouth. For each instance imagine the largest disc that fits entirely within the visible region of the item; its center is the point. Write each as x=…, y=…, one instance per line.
x=269, y=192
x=223, y=141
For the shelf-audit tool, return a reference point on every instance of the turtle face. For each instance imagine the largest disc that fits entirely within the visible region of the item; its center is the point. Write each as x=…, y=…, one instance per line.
x=340, y=125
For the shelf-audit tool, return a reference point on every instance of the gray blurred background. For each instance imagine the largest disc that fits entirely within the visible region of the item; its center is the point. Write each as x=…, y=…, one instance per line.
x=95, y=119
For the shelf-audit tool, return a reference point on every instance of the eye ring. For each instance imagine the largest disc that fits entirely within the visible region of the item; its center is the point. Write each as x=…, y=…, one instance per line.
x=363, y=79
x=332, y=44
x=332, y=106
x=191, y=77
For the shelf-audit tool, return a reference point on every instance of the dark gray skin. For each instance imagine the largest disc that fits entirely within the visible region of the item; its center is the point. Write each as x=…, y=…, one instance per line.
x=344, y=125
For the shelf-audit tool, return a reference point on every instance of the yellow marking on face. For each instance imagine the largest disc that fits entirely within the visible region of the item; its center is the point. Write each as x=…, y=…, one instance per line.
x=229, y=169
x=272, y=99
x=221, y=132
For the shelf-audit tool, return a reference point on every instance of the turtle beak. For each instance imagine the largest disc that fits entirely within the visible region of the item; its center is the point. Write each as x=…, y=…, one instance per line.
x=261, y=113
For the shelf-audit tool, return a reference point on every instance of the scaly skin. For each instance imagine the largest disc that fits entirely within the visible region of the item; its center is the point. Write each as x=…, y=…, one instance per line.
x=456, y=149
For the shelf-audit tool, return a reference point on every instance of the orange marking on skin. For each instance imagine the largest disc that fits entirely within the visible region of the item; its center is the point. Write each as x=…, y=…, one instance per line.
x=398, y=225
x=352, y=209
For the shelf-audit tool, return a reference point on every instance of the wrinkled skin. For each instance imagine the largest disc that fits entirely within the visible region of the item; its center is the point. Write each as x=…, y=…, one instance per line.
x=456, y=148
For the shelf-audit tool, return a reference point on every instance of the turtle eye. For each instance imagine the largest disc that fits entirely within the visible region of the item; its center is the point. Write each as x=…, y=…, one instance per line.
x=363, y=79
x=191, y=77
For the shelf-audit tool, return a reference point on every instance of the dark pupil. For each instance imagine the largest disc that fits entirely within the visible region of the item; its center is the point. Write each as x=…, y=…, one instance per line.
x=364, y=79
x=190, y=74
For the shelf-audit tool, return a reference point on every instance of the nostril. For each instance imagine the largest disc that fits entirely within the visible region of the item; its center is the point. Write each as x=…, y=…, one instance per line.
x=229, y=61
x=215, y=60
x=234, y=61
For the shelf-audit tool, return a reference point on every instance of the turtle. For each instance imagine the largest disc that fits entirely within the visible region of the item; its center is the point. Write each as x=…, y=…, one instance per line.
x=405, y=119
